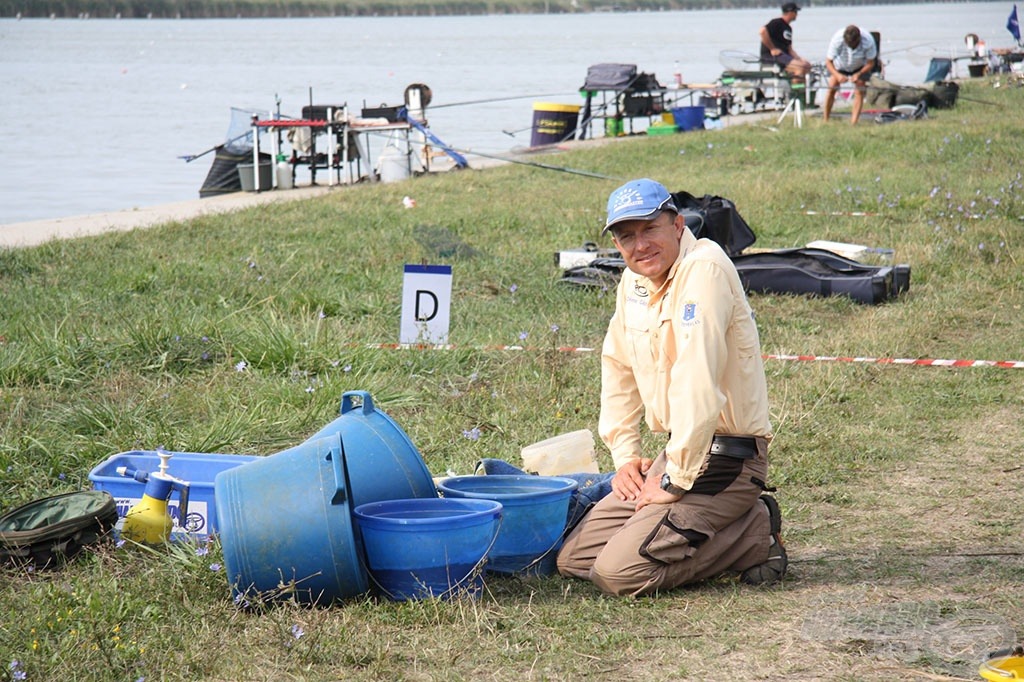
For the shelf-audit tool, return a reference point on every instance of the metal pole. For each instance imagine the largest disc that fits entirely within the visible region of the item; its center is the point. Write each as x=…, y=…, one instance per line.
x=255, y=153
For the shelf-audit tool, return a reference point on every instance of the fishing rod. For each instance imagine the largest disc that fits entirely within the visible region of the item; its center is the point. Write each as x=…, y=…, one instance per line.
x=499, y=99
x=545, y=166
x=192, y=157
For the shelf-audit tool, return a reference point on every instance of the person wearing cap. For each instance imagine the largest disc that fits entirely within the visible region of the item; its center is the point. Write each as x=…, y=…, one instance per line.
x=681, y=351
x=777, y=43
x=850, y=58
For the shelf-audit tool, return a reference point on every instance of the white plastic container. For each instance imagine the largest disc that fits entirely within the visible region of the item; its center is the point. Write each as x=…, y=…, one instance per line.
x=284, y=175
x=568, y=453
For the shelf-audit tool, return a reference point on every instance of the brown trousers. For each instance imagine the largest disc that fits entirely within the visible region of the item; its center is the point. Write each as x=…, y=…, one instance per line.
x=717, y=526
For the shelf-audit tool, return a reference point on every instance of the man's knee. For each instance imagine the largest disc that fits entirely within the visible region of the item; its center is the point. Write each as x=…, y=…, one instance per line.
x=615, y=579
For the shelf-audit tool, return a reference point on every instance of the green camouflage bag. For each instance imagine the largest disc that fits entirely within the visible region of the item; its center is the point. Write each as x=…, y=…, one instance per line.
x=51, y=531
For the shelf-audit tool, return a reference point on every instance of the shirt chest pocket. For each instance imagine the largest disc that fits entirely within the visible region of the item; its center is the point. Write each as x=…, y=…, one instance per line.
x=648, y=332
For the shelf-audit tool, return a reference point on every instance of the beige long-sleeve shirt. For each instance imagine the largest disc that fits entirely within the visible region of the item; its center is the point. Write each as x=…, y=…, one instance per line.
x=688, y=357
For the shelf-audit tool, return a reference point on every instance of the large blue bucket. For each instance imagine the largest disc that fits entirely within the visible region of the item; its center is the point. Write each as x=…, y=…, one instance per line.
x=424, y=548
x=533, y=519
x=287, y=518
x=383, y=464
x=286, y=525
x=689, y=118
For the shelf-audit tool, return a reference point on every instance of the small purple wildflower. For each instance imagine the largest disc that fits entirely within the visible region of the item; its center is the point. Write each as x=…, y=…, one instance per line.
x=346, y=368
x=215, y=567
x=297, y=631
x=321, y=315
x=240, y=366
x=472, y=434
x=522, y=336
x=61, y=476
x=513, y=289
x=202, y=551
x=554, y=329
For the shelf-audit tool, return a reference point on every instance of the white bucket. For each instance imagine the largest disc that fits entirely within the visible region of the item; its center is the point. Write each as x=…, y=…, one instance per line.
x=568, y=453
x=394, y=164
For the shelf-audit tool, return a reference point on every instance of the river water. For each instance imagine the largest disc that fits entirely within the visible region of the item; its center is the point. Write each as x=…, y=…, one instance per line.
x=98, y=112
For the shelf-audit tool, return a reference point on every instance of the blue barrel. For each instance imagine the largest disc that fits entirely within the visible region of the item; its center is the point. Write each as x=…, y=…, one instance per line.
x=553, y=123
x=383, y=464
x=533, y=519
x=689, y=118
x=424, y=548
x=286, y=526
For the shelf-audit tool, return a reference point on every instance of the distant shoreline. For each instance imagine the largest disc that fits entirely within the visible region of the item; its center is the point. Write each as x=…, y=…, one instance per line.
x=265, y=9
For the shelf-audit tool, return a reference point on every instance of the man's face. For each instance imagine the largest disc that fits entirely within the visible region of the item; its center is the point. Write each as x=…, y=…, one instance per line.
x=650, y=247
x=790, y=17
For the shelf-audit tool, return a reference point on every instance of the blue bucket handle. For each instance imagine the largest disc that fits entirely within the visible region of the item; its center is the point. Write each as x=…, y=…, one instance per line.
x=346, y=401
x=337, y=459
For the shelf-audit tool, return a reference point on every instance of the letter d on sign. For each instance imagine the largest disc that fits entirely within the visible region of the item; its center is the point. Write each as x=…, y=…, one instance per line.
x=426, y=304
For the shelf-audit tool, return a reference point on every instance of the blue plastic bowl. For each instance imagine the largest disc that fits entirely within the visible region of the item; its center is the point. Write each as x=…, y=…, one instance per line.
x=427, y=547
x=533, y=520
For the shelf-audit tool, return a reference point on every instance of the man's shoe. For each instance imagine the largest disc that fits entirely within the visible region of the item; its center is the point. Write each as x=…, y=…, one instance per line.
x=774, y=569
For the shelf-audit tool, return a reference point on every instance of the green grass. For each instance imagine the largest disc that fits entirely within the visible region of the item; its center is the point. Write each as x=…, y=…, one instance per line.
x=901, y=486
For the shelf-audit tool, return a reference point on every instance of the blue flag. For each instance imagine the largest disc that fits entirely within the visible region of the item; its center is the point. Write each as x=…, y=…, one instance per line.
x=1012, y=25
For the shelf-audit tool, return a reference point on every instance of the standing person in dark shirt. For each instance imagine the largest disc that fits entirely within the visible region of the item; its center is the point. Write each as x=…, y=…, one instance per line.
x=777, y=43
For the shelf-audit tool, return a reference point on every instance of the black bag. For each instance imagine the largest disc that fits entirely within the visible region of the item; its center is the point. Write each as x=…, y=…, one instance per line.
x=610, y=77
x=53, y=530
x=820, y=273
x=944, y=94
x=717, y=219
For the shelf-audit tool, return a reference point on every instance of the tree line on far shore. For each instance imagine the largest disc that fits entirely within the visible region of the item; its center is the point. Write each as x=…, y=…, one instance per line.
x=218, y=9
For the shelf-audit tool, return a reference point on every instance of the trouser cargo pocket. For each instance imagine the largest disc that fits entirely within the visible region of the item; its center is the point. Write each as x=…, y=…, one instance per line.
x=677, y=537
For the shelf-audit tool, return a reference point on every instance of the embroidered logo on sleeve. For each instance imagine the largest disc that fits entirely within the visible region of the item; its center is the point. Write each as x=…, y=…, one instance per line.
x=690, y=314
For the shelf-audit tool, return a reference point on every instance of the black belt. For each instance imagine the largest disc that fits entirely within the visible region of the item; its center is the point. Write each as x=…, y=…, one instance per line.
x=741, y=447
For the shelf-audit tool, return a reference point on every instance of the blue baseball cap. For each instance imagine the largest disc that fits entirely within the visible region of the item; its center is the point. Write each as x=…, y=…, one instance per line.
x=642, y=199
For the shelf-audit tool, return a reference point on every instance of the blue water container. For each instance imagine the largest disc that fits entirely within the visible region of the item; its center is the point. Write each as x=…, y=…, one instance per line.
x=286, y=526
x=689, y=118
x=533, y=519
x=423, y=548
x=383, y=464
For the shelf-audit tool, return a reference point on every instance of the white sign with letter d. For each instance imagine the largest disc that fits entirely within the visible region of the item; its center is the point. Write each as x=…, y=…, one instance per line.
x=426, y=304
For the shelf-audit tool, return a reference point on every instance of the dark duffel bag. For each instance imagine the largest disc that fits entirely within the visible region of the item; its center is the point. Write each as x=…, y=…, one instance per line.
x=51, y=531
x=944, y=94
x=715, y=218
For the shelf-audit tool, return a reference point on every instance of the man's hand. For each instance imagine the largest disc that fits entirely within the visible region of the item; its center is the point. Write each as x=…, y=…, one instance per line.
x=629, y=479
x=652, y=493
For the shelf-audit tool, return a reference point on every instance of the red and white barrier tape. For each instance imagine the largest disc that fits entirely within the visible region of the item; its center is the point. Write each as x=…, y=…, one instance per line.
x=925, y=362
x=920, y=362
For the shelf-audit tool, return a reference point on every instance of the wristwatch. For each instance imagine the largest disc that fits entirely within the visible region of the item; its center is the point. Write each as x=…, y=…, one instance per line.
x=666, y=485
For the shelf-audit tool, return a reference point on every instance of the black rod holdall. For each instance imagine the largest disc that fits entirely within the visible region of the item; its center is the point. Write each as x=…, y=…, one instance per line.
x=49, y=532
x=818, y=272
